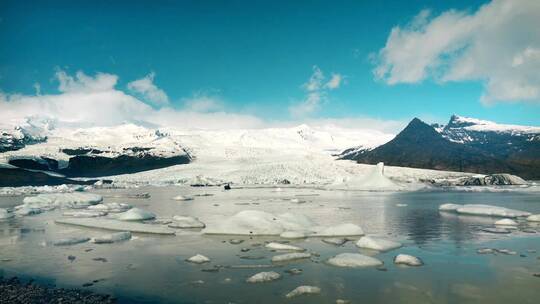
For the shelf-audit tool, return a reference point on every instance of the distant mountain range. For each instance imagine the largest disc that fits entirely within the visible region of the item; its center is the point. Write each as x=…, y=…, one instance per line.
x=464, y=144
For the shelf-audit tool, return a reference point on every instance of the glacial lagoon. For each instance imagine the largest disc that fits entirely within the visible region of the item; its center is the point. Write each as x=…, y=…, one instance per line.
x=153, y=268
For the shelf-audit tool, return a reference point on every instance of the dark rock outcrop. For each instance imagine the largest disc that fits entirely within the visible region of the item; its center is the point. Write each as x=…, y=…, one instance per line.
x=17, y=177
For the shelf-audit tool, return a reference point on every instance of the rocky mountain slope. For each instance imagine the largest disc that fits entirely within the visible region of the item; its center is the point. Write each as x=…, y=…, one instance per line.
x=464, y=144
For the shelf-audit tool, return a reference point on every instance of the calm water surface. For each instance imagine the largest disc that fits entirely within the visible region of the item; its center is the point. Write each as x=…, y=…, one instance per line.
x=152, y=268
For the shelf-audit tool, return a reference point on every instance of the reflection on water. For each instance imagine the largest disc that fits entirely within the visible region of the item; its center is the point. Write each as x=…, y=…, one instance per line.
x=152, y=268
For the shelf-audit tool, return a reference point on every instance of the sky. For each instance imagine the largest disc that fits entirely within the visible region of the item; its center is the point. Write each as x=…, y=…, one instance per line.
x=221, y=64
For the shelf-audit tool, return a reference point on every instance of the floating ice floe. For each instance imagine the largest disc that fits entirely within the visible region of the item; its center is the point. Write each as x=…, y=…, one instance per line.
x=284, y=247
x=22, y=210
x=290, y=257
x=183, y=198
x=136, y=214
x=534, y=218
x=5, y=214
x=346, y=229
x=353, y=260
x=293, y=235
x=112, y=238
x=496, y=230
x=297, y=201
x=186, y=222
x=262, y=277
x=506, y=222
x=378, y=244
x=84, y=213
x=112, y=224
x=484, y=210
x=70, y=241
x=303, y=290
x=198, y=259
x=110, y=207
x=73, y=200
x=409, y=260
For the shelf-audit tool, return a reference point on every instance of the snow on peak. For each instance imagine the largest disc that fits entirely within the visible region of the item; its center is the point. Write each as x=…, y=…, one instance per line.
x=474, y=124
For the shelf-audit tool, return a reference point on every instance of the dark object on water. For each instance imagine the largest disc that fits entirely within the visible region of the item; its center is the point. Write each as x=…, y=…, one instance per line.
x=227, y=187
x=17, y=177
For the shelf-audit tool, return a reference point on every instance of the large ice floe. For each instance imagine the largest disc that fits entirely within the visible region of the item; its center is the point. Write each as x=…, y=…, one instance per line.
x=287, y=257
x=484, y=210
x=110, y=207
x=112, y=238
x=116, y=225
x=136, y=214
x=353, y=260
x=303, y=290
x=185, y=222
x=534, y=218
x=262, y=277
x=49, y=201
x=378, y=244
x=5, y=214
x=409, y=260
x=253, y=222
x=283, y=247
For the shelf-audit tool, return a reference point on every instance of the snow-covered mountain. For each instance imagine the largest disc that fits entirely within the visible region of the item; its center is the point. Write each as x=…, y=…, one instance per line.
x=464, y=144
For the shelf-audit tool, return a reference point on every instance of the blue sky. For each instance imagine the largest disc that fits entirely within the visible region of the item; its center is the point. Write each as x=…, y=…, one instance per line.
x=256, y=57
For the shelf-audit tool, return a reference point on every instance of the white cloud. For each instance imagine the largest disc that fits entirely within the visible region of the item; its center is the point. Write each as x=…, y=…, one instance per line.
x=317, y=92
x=148, y=90
x=499, y=44
x=86, y=101
x=201, y=102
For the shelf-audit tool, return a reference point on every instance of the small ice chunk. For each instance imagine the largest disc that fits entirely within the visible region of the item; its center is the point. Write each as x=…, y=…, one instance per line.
x=116, y=225
x=353, y=260
x=297, y=201
x=485, y=251
x=449, y=207
x=183, y=198
x=110, y=207
x=488, y=210
x=62, y=200
x=335, y=241
x=75, y=213
x=401, y=205
x=293, y=235
x=198, y=259
x=409, y=260
x=70, y=241
x=262, y=277
x=534, y=218
x=290, y=257
x=25, y=211
x=136, y=214
x=279, y=246
x=346, y=229
x=186, y=222
x=5, y=214
x=303, y=290
x=341, y=301
x=112, y=238
x=506, y=222
x=377, y=244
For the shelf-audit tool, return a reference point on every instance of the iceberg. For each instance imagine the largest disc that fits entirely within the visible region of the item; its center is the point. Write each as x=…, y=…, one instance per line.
x=70, y=241
x=248, y=222
x=84, y=213
x=136, y=214
x=489, y=210
x=284, y=247
x=353, y=260
x=293, y=235
x=186, y=222
x=198, y=259
x=506, y=222
x=262, y=277
x=534, y=218
x=115, y=225
x=409, y=260
x=62, y=200
x=303, y=290
x=112, y=238
x=183, y=198
x=346, y=229
x=5, y=214
x=22, y=210
x=290, y=257
x=368, y=242
x=374, y=181
x=110, y=207
x=449, y=207
x=335, y=241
